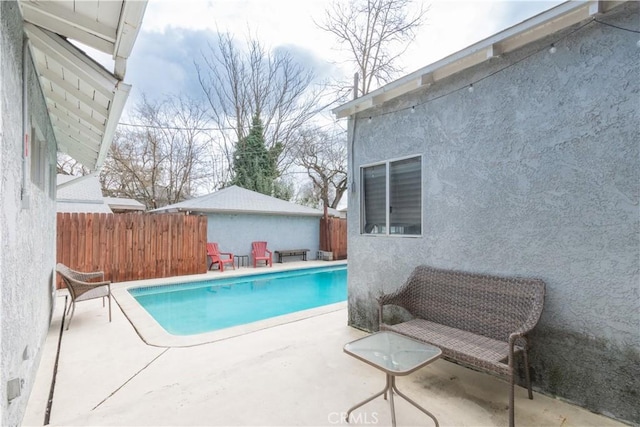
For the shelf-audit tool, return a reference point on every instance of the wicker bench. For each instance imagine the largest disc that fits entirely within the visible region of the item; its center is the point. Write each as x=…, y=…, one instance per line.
x=292, y=252
x=477, y=320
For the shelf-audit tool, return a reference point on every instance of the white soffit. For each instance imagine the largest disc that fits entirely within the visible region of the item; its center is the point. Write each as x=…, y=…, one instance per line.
x=109, y=26
x=84, y=100
x=535, y=28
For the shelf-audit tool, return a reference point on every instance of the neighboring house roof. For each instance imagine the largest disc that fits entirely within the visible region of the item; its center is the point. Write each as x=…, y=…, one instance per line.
x=535, y=28
x=81, y=194
x=84, y=100
x=337, y=213
x=235, y=199
x=122, y=204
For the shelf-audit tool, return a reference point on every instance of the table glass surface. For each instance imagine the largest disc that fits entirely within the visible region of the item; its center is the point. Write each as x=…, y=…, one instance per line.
x=393, y=353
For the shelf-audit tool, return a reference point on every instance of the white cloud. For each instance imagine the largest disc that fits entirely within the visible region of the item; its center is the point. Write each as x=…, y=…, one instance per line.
x=174, y=33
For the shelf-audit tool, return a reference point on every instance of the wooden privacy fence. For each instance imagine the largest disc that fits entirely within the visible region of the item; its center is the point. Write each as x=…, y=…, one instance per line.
x=132, y=246
x=333, y=236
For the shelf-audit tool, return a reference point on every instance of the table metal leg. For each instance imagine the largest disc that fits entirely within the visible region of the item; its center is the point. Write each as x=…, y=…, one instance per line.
x=394, y=388
x=384, y=391
x=392, y=380
x=391, y=388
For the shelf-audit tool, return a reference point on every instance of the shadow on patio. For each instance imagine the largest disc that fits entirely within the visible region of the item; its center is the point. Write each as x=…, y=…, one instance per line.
x=294, y=374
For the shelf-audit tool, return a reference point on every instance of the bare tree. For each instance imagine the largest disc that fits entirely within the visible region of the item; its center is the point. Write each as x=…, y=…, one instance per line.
x=375, y=33
x=161, y=158
x=67, y=165
x=324, y=156
x=240, y=85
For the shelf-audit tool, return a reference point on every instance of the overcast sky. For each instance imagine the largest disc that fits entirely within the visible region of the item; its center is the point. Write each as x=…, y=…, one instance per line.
x=175, y=33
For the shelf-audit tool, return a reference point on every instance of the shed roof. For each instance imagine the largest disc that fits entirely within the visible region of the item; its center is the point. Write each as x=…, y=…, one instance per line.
x=123, y=204
x=528, y=31
x=235, y=199
x=84, y=100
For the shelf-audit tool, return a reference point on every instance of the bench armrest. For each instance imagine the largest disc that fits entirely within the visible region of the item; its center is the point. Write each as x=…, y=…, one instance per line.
x=387, y=299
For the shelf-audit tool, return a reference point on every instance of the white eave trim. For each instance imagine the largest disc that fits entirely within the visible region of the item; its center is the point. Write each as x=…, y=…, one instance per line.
x=235, y=211
x=55, y=18
x=115, y=41
x=115, y=112
x=69, y=56
x=127, y=33
x=535, y=28
x=84, y=136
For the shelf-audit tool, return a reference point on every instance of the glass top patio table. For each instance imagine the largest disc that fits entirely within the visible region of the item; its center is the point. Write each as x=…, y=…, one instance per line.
x=393, y=353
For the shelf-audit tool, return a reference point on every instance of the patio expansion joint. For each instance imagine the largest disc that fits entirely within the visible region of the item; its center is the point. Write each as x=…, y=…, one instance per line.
x=131, y=378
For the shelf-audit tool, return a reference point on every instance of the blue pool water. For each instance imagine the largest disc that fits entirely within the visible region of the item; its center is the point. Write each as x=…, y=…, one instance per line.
x=194, y=308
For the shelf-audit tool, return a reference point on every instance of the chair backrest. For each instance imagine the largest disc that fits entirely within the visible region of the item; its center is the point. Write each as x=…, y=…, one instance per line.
x=67, y=275
x=79, y=283
x=213, y=250
x=259, y=248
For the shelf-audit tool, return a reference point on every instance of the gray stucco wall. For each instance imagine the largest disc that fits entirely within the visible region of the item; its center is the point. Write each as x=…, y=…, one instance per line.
x=235, y=232
x=27, y=235
x=534, y=173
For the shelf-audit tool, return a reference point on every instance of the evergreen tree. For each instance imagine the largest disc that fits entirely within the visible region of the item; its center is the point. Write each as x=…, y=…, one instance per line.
x=255, y=166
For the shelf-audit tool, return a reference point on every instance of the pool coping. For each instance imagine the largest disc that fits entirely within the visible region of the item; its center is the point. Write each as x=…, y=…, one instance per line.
x=153, y=334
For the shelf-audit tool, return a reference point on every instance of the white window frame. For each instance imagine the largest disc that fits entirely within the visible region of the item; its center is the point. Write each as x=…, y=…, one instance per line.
x=387, y=164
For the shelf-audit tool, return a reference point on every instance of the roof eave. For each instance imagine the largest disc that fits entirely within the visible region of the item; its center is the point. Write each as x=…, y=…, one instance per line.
x=87, y=140
x=126, y=34
x=115, y=41
x=535, y=28
x=237, y=211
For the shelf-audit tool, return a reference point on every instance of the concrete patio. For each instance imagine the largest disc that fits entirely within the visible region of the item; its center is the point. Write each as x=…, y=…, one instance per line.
x=291, y=374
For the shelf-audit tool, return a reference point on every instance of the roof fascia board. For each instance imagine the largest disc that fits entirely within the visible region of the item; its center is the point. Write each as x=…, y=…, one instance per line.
x=124, y=206
x=250, y=212
x=69, y=56
x=541, y=25
x=129, y=26
x=115, y=112
x=82, y=201
x=62, y=21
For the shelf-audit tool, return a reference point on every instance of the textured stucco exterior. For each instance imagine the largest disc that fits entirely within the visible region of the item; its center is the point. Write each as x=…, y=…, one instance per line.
x=235, y=232
x=27, y=234
x=534, y=173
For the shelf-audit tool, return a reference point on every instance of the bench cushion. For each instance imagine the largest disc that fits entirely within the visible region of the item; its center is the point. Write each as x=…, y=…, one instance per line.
x=466, y=347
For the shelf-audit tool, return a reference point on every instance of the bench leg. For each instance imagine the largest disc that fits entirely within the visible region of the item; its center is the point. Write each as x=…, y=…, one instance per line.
x=511, y=402
x=525, y=355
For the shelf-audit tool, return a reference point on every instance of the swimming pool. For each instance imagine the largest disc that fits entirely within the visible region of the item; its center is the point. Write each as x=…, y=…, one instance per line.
x=195, y=308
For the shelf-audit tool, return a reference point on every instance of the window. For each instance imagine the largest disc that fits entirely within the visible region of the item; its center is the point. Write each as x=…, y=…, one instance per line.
x=38, y=154
x=392, y=197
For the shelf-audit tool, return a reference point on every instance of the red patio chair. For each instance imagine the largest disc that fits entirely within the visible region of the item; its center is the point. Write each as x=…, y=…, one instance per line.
x=214, y=253
x=259, y=252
